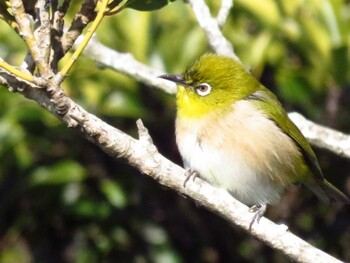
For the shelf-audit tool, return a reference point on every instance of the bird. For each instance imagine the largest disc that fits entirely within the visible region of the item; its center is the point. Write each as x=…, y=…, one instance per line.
x=234, y=133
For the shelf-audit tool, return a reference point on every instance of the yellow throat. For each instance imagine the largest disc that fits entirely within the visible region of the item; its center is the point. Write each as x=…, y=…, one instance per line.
x=190, y=106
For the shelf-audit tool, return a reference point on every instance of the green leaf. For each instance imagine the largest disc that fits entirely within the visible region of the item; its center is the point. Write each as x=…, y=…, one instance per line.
x=114, y=193
x=59, y=173
x=147, y=5
x=91, y=209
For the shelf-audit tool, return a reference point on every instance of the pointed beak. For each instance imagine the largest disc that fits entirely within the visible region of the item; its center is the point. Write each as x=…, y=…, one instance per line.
x=177, y=78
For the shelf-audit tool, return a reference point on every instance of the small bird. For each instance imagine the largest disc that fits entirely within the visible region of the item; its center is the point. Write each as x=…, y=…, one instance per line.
x=234, y=133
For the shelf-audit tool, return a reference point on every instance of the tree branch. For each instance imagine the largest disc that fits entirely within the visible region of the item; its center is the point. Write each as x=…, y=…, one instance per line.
x=25, y=31
x=100, y=14
x=210, y=26
x=42, y=34
x=126, y=64
x=323, y=137
x=224, y=11
x=13, y=70
x=82, y=19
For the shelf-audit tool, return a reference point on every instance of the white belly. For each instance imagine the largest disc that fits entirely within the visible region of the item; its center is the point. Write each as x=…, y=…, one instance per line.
x=252, y=159
x=229, y=172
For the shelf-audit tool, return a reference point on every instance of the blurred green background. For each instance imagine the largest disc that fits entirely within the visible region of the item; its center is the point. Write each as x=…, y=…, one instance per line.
x=63, y=200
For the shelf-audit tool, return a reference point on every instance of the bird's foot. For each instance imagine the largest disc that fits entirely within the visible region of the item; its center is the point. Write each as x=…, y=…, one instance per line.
x=190, y=173
x=259, y=211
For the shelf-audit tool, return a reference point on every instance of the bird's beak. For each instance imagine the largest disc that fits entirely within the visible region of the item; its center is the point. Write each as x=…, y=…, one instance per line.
x=177, y=78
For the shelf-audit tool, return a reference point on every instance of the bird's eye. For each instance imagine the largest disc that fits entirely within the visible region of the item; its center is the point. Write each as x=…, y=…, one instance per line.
x=203, y=89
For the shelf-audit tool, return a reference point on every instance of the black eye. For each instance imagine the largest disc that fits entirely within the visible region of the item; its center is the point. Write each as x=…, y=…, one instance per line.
x=203, y=89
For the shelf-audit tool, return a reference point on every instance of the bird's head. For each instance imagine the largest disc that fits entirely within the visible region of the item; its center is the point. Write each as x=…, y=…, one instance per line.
x=211, y=83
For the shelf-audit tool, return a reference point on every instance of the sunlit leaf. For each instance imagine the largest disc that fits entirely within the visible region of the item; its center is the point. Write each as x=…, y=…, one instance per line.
x=114, y=193
x=91, y=209
x=59, y=173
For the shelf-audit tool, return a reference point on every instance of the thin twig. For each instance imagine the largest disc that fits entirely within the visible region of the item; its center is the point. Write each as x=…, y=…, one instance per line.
x=215, y=37
x=101, y=13
x=59, y=13
x=57, y=33
x=15, y=71
x=224, y=11
x=82, y=19
x=42, y=33
x=127, y=64
x=25, y=31
x=323, y=137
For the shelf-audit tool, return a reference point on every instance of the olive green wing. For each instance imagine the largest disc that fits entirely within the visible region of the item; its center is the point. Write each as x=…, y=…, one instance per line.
x=269, y=104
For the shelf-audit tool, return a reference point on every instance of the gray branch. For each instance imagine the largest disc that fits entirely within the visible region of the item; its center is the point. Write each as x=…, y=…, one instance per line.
x=224, y=11
x=323, y=137
x=210, y=25
x=126, y=64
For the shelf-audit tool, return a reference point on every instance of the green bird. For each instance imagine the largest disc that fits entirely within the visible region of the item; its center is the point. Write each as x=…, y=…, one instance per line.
x=234, y=133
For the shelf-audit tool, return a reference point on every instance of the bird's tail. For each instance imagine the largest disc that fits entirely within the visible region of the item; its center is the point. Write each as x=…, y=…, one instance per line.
x=328, y=192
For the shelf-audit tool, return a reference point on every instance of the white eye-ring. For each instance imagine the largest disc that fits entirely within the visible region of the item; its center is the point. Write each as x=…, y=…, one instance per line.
x=203, y=89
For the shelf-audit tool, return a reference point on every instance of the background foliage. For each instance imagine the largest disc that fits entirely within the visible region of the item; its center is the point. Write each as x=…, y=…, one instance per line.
x=63, y=200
